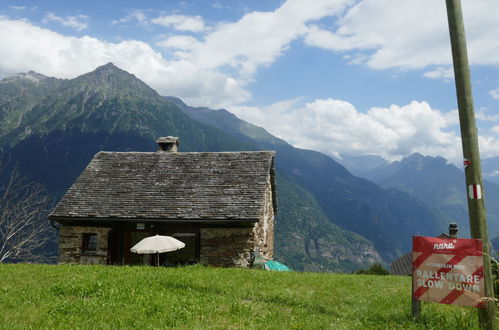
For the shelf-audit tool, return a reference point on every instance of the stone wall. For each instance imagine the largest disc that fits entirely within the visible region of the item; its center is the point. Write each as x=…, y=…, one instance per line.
x=226, y=246
x=70, y=244
x=234, y=246
x=264, y=229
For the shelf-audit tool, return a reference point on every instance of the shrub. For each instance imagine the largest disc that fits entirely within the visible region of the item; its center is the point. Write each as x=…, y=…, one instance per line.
x=375, y=269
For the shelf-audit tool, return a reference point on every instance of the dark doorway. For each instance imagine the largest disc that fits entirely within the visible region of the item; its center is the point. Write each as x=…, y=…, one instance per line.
x=120, y=242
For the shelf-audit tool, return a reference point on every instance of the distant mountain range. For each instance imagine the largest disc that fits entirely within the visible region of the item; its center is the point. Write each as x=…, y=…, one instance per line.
x=328, y=220
x=438, y=184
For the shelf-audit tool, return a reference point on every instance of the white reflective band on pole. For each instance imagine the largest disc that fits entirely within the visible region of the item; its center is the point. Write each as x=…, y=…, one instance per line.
x=475, y=191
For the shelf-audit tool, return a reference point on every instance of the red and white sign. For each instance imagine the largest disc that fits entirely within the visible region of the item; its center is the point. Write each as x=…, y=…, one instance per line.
x=448, y=271
x=475, y=191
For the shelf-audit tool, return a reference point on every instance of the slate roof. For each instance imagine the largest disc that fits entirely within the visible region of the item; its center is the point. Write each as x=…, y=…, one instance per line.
x=170, y=186
x=402, y=265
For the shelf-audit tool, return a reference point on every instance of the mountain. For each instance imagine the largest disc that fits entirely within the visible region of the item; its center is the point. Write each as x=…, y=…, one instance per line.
x=19, y=94
x=328, y=220
x=369, y=167
x=388, y=218
x=440, y=185
x=107, y=109
x=109, y=100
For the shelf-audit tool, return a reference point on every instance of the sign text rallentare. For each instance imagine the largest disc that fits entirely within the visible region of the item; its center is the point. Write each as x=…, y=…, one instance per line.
x=448, y=271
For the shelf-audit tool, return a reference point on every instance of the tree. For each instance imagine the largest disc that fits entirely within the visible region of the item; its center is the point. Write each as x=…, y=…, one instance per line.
x=375, y=269
x=24, y=228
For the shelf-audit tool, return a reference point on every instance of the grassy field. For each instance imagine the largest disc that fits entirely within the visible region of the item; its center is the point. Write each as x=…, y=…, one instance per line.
x=99, y=297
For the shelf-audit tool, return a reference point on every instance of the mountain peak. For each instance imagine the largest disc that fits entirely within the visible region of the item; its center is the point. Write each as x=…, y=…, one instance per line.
x=419, y=157
x=109, y=69
x=111, y=79
x=420, y=162
x=108, y=64
x=31, y=76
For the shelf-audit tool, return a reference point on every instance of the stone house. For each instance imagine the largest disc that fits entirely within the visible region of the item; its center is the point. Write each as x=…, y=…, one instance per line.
x=220, y=204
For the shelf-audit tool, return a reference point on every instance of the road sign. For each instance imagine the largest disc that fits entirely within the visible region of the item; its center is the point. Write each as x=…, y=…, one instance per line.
x=448, y=271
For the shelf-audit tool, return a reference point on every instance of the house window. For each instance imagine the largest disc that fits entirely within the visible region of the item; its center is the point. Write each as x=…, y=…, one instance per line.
x=89, y=243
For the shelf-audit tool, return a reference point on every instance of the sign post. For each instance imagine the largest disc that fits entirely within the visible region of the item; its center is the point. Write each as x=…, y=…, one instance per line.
x=448, y=271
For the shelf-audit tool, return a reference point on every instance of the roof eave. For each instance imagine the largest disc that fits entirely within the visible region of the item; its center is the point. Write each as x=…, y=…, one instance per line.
x=65, y=219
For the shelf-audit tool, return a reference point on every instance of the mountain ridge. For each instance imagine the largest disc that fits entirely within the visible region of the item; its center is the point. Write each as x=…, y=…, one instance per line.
x=441, y=185
x=310, y=169
x=331, y=220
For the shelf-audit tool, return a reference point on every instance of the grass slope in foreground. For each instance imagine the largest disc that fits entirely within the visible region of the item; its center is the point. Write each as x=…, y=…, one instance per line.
x=48, y=296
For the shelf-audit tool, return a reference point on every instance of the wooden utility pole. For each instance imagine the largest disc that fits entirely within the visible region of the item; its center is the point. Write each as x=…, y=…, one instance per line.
x=469, y=137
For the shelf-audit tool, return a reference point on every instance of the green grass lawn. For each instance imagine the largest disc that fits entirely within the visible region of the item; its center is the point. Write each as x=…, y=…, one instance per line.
x=105, y=297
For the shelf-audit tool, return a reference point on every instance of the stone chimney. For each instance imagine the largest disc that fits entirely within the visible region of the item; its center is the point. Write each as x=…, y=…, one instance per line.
x=167, y=144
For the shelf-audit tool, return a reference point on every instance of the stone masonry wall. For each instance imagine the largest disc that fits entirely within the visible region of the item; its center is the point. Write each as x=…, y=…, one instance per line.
x=233, y=246
x=226, y=246
x=70, y=244
x=264, y=229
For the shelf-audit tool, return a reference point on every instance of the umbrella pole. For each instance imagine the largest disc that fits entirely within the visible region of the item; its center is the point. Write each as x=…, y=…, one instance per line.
x=157, y=259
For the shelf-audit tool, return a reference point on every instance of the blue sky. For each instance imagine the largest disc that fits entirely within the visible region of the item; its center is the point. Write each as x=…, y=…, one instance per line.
x=345, y=77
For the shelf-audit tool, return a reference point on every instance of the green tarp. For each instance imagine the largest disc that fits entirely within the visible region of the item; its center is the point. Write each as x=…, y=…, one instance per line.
x=270, y=265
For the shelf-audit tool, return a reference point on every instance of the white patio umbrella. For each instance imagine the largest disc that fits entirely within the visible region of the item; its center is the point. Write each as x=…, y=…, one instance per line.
x=157, y=244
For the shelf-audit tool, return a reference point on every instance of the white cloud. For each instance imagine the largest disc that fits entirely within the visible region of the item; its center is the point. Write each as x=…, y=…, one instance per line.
x=68, y=57
x=134, y=15
x=451, y=117
x=76, y=22
x=181, y=22
x=217, y=5
x=494, y=130
x=240, y=48
x=18, y=7
x=381, y=34
x=213, y=69
x=179, y=42
x=258, y=38
x=410, y=34
x=440, y=73
x=483, y=116
x=336, y=127
x=495, y=93
x=489, y=146
x=177, y=22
